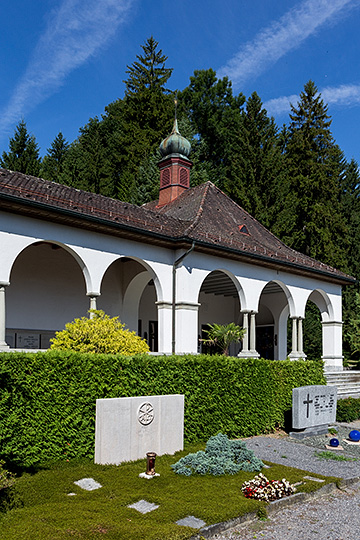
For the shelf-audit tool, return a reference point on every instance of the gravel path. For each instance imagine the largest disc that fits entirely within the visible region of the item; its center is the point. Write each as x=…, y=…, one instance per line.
x=331, y=517
x=335, y=516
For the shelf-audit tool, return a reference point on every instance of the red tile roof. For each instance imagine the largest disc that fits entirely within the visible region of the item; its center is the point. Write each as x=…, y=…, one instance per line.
x=203, y=214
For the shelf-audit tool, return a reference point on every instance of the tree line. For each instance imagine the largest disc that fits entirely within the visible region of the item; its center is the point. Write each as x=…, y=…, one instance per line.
x=294, y=179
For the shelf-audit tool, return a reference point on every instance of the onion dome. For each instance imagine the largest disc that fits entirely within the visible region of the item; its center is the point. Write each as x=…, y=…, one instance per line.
x=175, y=144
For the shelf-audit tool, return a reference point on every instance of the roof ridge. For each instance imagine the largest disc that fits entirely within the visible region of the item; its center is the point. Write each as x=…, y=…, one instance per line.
x=200, y=210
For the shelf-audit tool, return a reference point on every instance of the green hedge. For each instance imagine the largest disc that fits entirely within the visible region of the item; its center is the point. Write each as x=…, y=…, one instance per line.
x=348, y=409
x=47, y=400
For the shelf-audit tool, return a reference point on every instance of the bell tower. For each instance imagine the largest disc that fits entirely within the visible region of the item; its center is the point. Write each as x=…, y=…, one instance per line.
x=174, y=166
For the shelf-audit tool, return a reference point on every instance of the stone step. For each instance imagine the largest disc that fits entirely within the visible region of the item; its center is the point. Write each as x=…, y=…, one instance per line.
x=347, y=382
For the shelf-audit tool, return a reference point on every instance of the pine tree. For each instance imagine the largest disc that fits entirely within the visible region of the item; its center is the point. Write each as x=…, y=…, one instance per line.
x=215, y=114
x=311, y=220
x=256, y=177
x=136, y=125
x=23, y=155
x=54, y=162
x=149, y=72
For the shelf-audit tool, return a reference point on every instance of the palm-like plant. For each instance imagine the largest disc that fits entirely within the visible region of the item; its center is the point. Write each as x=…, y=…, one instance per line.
x=223, y=335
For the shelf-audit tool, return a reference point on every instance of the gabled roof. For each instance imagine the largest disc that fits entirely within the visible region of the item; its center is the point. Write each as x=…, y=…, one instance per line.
x=203, y=214
x=211, y=217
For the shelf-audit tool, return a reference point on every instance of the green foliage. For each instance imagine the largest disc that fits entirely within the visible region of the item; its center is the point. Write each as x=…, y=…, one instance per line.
x=327, y=454
x=348, y=410
x=98, y=334
x=23, y=155
x=53, y=163
x=223, y=335
x=256, y=175
x=47, y=400
x=221, y=456
x=311, y=220
x=149, y=72
x=312, y=332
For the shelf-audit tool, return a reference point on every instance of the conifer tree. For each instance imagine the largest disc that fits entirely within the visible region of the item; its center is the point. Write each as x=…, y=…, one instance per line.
x=311, y=220
x=54, y=162
x=149, y=71
x=256, y=177
x=23, y=155
x=136, y=125
x=215, y=115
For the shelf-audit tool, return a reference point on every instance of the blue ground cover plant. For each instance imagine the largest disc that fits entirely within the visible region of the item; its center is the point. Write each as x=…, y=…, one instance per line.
x=221, y=456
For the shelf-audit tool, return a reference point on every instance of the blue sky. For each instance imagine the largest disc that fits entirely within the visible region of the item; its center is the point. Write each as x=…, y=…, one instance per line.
x=63, y=61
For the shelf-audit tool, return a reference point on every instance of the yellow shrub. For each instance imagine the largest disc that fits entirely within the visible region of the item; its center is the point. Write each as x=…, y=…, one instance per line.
x=100, y=334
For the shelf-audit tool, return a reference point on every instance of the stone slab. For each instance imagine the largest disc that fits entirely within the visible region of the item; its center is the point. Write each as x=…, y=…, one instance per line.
x=313, y=406
x=310, y=432
x=144, y=507
x=191, y=521
x=127, y=428
x=89, y=484
x=314, y=479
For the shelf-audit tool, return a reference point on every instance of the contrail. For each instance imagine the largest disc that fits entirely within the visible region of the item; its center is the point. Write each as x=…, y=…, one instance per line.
x=346, y=95
x=281, y=37
x=74, y=33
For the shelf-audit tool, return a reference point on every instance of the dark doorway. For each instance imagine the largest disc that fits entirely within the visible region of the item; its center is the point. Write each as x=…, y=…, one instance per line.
x=153, y=336
x=265, y=342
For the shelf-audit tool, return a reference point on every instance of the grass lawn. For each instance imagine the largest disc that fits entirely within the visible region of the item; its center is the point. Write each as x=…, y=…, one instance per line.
x=47, y=512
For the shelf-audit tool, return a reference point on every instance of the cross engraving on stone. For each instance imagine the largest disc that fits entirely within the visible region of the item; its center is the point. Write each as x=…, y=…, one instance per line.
x=307, y=402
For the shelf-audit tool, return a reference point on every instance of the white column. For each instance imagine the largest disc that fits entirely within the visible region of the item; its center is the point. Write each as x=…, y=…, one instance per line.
x=332, y=345
x=245, y=353
x=300, y=339
x=186, y=324
x=252, y=333
x=165, y=326
x=249, y=337
x=92, y=297
x=294, y=340
x=3, y=344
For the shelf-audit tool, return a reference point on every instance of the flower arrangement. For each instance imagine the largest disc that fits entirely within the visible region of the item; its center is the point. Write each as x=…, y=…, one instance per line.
x=262, y=489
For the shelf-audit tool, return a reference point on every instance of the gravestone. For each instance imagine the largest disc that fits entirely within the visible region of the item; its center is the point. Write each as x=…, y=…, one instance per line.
x=313, y=409
x=127, y=428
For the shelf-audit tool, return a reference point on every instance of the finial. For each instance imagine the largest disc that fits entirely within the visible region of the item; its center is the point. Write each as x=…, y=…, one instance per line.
x=176, y=104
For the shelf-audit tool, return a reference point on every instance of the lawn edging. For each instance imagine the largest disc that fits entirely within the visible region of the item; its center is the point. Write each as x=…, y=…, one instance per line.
x=274, y=507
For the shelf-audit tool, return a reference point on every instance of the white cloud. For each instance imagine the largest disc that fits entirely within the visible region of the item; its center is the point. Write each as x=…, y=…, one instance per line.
x=347, y=95
x=74, y=33
x=281, y=37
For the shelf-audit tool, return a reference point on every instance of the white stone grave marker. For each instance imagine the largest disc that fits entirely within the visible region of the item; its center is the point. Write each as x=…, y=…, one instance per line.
x=127, y=428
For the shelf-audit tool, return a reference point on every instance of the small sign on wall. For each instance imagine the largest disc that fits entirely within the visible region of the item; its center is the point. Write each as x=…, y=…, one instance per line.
x=26, y=340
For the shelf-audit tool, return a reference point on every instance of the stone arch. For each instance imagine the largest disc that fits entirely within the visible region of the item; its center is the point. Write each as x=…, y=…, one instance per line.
x=324, y=304
x=230, y=276
x=219, y=298
x=61, y=245
x=130, y=289
x=275, y=301
x=47, y=289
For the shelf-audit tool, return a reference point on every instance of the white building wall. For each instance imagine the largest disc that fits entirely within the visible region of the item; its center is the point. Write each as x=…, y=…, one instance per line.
x=93, y=256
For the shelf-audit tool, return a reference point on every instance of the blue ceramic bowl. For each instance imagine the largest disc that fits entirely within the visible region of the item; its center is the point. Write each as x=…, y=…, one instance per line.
x=354, y=435
x=334, y=442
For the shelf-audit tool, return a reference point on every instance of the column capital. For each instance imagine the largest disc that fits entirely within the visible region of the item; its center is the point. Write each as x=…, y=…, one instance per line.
x=93, y=294
x=193, y=306
x=163, y=304
x=4, y=283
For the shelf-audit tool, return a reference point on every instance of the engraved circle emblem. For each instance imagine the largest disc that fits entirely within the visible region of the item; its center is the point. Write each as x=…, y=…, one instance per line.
x=146, y=414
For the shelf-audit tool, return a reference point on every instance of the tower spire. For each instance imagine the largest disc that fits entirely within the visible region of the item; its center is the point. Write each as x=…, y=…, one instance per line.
x=175, y=164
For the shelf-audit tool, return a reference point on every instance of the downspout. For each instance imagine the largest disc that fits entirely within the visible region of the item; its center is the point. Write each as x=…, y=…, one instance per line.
x=175, y=265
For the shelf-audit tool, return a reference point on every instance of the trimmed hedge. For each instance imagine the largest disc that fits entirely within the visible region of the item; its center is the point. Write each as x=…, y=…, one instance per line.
x=47, y=400
x=348, y=409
